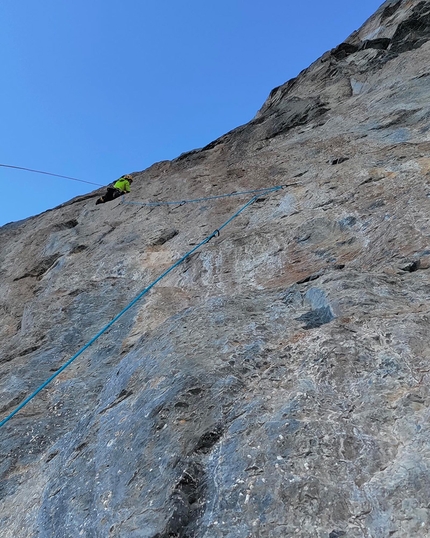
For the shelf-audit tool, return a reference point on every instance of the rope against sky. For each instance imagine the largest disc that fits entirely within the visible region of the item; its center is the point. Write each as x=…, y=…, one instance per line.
x=50, y=174
x=155, y=203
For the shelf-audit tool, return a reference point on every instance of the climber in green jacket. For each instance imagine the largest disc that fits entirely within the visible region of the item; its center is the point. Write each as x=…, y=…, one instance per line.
x=119, y=187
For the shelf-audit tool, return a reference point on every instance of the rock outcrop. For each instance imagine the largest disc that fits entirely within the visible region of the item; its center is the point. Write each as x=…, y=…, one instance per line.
x=275, y=384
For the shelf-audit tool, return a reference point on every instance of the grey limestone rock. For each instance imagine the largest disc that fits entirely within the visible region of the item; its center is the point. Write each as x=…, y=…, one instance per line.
x=275, y=384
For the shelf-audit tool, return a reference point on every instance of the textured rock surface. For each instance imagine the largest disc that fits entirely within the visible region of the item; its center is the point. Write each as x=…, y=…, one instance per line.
x=276, y=383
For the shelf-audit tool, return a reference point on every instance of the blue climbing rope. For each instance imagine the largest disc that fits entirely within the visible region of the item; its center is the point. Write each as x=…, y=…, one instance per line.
x=132, y=303
x=148, y=204
x=183, y=202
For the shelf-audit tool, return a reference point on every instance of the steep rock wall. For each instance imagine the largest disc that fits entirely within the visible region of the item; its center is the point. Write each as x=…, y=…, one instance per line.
x=276, y=383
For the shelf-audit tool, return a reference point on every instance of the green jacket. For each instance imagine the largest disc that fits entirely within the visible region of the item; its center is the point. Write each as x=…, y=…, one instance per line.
x=122, y=185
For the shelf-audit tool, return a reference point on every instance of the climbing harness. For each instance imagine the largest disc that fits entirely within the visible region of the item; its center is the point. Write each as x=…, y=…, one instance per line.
x=215, y=233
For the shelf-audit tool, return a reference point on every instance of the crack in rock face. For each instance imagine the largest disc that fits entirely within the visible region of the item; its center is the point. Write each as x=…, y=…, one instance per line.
x=275, y=383
x=186, y=504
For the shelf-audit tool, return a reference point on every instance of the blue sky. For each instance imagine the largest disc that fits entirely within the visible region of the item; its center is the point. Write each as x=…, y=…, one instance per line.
x=94, y=89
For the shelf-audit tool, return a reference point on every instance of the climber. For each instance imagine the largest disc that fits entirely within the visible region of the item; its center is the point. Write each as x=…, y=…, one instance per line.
x=119, y=187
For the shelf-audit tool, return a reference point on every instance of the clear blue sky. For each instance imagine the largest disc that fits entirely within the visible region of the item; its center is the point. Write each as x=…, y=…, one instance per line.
x=97, y=88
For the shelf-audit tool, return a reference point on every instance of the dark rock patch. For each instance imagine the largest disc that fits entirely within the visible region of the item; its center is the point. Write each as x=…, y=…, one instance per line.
x=302, y=238
x=338, y=160
x=414, y=31
x=78, y=248
x=380, y=44
x=195, y=391
x=74, y=293
x=165, y=236
x=347, y=222
x=293, y=113
x=182, y=405
x=100, y=239
x=40, y=269
x=208, y=440
x=51, y=456
x=123, y=395
x=13, y=402
x=375, y=205
x=316, y=318
x=309, y=278
x=321, y=311
x=412, y=267
x=400, y=118
x=343, y=50
x=390, y=10
x=371, y=180
x=68, y=224
x=28, y=350
x=337, y=534
x=186, y=503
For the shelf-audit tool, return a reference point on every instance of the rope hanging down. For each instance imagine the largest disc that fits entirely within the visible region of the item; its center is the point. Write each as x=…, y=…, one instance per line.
x=183, y=202
x=50, y=174
x=132, y=303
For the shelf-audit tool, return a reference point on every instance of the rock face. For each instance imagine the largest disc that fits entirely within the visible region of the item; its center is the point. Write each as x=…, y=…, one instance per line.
x=275, y=384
